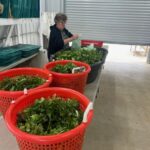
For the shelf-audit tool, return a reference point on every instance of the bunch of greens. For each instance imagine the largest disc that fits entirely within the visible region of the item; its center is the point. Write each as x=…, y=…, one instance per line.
x=19, y=83
x=88, y=56
x=67, y=68
x=48, y=116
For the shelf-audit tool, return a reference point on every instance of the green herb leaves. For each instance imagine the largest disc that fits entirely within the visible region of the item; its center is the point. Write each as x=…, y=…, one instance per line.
x=88, y=56
x=18, y=83
x=50, y=116
x=67, y=68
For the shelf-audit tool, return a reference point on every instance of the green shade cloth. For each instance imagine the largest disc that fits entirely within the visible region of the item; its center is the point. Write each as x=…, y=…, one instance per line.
x=21, y=8
x=5, y=13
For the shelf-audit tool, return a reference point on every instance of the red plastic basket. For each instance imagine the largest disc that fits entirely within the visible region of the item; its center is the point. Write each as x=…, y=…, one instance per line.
x=71, y=140
x=6, y=97
x=88, y=42
x=73, y=81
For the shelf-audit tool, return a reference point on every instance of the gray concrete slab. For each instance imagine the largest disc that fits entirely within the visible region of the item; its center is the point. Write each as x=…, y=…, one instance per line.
x=121, y=120
x=7, y=140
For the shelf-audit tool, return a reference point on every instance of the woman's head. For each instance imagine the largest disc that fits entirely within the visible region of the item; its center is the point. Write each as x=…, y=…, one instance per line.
x=60, y=20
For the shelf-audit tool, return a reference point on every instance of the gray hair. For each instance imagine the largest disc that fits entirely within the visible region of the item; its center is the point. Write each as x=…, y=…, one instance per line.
x=60, y=17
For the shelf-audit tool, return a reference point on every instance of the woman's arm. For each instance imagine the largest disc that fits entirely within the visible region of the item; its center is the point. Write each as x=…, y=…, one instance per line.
x=73, y=37
x=70, y=35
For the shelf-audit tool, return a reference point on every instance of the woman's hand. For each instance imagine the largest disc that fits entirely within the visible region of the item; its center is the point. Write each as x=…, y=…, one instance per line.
x=75, y=36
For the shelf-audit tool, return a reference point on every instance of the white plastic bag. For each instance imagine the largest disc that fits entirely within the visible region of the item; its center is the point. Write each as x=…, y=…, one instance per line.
x=76, y=44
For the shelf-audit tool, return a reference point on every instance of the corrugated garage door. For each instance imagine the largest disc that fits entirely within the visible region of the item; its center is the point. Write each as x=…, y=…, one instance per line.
x=116, y=21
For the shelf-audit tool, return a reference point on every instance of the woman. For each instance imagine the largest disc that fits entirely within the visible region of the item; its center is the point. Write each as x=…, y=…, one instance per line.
x=59, y=36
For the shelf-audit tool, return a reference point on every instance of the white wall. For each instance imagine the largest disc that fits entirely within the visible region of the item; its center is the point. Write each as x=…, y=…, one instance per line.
x=29, y=33
x=42, y=5
x=54, y=6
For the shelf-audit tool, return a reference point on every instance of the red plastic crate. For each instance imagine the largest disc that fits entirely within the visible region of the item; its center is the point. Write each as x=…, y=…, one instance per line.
x=88, y=42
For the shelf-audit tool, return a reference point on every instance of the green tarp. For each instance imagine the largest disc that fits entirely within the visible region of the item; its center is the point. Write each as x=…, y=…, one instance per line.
x=5, y=13
x=21, y=8
x=16, y=8
x=27, y=10
x=35, y=8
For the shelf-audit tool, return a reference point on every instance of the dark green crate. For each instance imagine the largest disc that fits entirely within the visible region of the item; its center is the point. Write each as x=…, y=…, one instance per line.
x=6, y=54
x=11, y=54
x=29, y=54
x=9, y=61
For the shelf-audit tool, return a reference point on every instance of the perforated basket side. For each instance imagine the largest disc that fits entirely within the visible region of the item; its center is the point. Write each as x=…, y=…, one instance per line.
x=6, y=97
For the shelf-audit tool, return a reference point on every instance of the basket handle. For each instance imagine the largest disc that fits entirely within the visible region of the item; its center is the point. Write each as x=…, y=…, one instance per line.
x=85, y=116
x=25, y=91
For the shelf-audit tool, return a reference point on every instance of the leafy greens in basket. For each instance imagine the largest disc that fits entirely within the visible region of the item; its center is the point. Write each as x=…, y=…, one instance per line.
x=19, y=83
x=67, y=68
x=49, y=116
x=88, y=56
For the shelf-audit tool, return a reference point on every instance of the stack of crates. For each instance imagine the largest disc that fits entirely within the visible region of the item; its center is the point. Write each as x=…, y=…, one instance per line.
x=9, y=55
x=27, y=49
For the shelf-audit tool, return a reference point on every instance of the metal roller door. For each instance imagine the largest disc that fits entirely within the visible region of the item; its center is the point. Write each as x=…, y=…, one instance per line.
x=115, y=21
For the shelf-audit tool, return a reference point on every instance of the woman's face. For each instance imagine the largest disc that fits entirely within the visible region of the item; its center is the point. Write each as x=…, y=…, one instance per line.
x=61, y=25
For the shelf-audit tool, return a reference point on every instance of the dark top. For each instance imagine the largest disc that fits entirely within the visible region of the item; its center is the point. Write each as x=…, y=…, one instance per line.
x=56, y=41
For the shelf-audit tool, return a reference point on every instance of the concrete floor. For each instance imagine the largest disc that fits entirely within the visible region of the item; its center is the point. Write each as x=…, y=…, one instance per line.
x=122, y=119
x=122, y=111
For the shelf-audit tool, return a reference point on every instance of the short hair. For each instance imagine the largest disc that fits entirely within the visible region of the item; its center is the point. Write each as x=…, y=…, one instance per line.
x=60, y=17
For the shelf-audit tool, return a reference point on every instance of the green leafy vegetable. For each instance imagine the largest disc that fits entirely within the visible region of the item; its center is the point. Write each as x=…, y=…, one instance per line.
x=67, y=68
x=88, y=56
x=50, y=116
x=18, y=83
